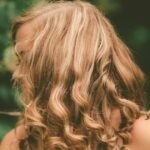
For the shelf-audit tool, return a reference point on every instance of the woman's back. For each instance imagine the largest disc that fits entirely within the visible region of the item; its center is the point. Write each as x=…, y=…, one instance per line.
x=73, y=72
x=140, y=134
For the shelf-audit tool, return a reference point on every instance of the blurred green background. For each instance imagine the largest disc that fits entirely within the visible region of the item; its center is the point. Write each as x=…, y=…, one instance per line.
x=129, y=17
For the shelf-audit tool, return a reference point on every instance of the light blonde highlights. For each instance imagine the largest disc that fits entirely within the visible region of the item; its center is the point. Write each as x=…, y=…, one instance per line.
x=75, y=74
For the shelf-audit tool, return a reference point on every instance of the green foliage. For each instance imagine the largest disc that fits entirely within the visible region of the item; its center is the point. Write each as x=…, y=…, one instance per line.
x=7, y=123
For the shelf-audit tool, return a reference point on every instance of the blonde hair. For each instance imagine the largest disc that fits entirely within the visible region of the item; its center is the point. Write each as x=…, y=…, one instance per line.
x=75, y=74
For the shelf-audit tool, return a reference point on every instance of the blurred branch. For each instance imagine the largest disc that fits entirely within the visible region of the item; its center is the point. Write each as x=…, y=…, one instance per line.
x=15, y=114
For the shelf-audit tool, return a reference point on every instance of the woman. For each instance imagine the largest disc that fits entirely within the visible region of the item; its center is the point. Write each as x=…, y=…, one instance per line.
x=79, y=84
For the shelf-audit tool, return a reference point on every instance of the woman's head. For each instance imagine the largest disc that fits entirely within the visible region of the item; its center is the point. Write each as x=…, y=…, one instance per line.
x=73, y=71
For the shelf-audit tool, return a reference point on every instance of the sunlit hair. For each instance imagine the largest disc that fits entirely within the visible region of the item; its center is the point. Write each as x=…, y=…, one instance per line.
x=75, y=74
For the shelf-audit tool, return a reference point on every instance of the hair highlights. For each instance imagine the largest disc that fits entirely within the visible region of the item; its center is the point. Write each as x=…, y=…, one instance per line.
x=75, y=74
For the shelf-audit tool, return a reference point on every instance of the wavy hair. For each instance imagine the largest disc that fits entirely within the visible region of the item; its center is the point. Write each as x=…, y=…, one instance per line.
x=76, y=72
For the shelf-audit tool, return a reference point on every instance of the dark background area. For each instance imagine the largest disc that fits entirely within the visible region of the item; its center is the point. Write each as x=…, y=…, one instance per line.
x=130, y=19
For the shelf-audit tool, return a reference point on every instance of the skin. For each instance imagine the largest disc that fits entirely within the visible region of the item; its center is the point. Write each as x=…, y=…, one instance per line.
x=25, y=32
x=141, y=127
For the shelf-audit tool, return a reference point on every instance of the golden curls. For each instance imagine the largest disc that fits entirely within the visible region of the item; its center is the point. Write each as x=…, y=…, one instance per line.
x=75, y=74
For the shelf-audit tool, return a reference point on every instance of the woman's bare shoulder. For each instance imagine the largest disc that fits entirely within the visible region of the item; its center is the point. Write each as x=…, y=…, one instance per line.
x=140, y=134
x=11, y=139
